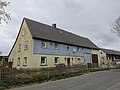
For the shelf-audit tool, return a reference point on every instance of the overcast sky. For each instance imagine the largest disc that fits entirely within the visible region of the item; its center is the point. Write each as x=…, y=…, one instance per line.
x=89, y=18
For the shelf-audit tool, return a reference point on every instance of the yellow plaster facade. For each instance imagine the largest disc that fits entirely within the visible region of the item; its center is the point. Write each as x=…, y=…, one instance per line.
x=15, y=54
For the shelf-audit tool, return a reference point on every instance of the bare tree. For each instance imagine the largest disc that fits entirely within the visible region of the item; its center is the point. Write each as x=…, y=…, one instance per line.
x=116, y=26
x=4, y=16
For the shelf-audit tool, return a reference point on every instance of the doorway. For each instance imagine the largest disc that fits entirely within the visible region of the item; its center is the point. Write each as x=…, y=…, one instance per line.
x=68, y=61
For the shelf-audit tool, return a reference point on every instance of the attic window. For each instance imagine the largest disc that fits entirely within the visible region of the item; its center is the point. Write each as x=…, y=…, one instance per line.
x=23, y=32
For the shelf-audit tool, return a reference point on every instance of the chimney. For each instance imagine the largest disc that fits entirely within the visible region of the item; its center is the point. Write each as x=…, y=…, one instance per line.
x=54, y=25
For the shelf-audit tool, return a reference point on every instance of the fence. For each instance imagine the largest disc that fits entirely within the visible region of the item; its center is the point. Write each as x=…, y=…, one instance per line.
x=25, y=74
x=5, y=76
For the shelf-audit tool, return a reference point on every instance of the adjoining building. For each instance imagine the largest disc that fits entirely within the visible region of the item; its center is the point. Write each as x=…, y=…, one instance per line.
x=3, y=60
x=39, y=46
x=109, y=57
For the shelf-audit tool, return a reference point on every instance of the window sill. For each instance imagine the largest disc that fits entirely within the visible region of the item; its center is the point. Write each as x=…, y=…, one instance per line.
x=43, y=64
x=56, y=63
x=56, y=48
x=24, y=65
x=44, y=47
x=25, y=49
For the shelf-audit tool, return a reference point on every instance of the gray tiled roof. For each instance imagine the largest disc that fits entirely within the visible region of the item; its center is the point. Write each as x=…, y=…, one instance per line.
x=43, y=31
x=108, y=51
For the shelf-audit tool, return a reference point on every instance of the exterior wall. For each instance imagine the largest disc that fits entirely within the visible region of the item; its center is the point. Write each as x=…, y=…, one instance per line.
x=103, y=59
x=93, y=51
x=87, y=55
x=15, y=54
x=50, y=60
x=50, y=50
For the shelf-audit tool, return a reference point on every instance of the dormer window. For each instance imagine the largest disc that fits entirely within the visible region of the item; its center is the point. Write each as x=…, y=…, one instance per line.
x=44, y=44
x=56, y=46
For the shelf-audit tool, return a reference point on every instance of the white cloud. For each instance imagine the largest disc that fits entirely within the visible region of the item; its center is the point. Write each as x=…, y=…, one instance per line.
x=89, y=18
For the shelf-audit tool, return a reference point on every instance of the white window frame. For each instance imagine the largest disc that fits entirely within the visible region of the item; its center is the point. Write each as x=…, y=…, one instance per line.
x=44, y=44
x=58, y=59
x=26, y=45
x=19, y=47
x=18, y=62
x=45, y=60
x=25, y=61
x=56, y=46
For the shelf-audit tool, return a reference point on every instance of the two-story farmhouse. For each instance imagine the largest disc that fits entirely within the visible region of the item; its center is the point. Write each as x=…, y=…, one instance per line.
x=39, y=46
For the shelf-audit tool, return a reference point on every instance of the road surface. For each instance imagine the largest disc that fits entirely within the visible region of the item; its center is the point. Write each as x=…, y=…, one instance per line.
x=103, y=80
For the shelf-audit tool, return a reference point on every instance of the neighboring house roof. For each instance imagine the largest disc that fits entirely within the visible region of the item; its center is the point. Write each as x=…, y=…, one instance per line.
x=46, y=32
x=108, y=51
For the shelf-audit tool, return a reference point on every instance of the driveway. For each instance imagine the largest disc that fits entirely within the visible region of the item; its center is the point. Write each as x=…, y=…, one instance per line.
x=103, y=80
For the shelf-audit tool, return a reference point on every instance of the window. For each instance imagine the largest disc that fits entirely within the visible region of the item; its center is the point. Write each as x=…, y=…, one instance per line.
x=56, y=46
x=19, y=47
x=23, y=32
x=25, y=61
x=103, y=58
x=18, y=62
x=78, y=49
x=43, y=60
x=101, y=52
x=56, y=60
x=68, y=48
x=26, y=45
x=44, y=44
x=78, y=59
x=13, y=60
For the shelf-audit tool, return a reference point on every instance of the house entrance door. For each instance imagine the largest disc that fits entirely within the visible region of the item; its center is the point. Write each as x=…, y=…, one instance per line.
x=68, y=61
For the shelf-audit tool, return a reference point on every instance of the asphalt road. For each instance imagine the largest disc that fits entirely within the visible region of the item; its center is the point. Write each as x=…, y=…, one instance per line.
x=103, y=80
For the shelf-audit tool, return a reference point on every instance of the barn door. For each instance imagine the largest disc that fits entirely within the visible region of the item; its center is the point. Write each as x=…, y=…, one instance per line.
x=95, y=58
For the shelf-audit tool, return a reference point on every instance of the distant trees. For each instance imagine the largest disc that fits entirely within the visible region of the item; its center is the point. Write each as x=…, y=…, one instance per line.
x=4, y=16
x=116, y=26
